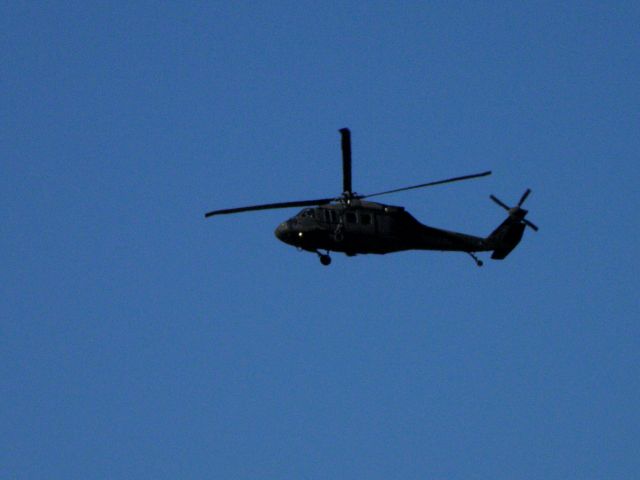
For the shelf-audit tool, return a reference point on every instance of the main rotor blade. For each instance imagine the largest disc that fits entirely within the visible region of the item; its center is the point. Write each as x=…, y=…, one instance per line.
x=269, y=206
x=346, y=160
x=429, y=184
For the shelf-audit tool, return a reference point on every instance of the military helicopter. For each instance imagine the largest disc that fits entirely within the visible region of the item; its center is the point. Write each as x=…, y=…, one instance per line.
x=353, y=226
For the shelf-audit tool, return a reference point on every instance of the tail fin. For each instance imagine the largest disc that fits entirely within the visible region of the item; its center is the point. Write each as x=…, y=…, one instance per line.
x=507, y=236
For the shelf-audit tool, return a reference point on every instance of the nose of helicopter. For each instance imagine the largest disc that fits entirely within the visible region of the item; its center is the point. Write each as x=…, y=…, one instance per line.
x=288, y=233
x=283, y=232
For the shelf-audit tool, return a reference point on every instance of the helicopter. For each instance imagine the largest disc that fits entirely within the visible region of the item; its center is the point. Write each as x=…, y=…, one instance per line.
x=352, y=225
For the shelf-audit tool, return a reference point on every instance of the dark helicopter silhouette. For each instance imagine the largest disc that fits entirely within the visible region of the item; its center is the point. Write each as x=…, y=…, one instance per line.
x=350, y=225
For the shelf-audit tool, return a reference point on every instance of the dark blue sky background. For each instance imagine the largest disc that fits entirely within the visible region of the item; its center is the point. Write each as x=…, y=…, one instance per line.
x=140, y=341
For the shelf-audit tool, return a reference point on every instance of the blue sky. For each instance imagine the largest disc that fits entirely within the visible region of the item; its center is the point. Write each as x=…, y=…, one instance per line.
x=139, y=340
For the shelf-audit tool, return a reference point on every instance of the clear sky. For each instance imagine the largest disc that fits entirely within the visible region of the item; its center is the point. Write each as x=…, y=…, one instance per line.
x=139, y=340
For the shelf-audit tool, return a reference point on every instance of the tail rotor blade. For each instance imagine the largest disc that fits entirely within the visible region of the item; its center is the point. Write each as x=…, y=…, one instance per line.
x=524, y=197
x=499, y=202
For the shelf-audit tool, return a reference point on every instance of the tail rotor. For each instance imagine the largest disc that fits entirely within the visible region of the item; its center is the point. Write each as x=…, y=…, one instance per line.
x=517, y=213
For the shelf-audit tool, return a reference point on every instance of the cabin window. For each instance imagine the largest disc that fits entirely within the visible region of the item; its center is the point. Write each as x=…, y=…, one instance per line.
x=365, y=219
x=350, y=217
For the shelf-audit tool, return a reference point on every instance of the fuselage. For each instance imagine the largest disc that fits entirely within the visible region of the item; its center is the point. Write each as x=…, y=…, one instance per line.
x=358, y=227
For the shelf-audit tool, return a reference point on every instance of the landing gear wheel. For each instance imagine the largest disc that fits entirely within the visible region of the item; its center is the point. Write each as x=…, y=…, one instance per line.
x=325, y=260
